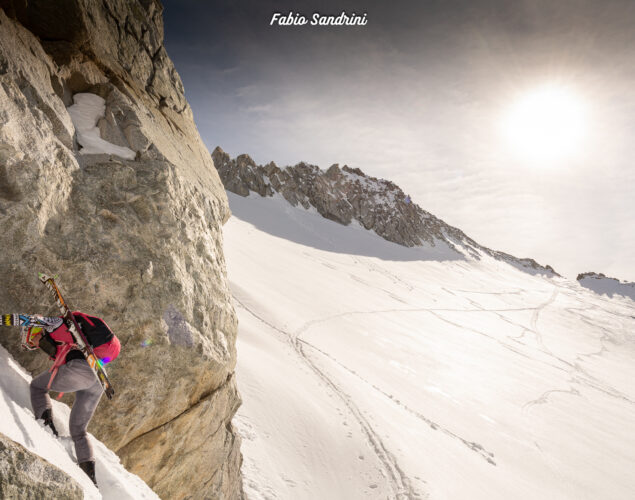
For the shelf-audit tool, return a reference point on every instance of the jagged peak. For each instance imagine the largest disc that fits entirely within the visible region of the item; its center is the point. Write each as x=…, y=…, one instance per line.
x=346, y=194
x=333, y=171
x=355, y=171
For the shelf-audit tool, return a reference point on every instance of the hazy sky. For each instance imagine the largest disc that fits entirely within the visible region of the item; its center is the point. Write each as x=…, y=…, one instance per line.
x=419, y=95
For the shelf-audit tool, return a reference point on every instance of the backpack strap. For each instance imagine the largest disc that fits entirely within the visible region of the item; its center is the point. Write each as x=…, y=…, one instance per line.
x=59, y=361
x=48, y=345
x=84, y=316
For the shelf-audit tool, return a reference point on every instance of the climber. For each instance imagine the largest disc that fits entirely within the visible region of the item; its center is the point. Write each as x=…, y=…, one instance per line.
x=70, y=372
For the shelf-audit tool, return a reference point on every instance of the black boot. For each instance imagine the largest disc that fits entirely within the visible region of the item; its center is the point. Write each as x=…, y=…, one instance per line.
x=89, y=469
x=47, y=416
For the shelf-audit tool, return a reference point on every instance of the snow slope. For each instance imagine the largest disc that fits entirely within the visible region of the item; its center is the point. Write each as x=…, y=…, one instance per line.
x=17, y=422
x=394, y=373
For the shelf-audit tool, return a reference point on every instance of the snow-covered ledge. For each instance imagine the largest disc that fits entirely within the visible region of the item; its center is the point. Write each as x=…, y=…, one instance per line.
x=86, y=113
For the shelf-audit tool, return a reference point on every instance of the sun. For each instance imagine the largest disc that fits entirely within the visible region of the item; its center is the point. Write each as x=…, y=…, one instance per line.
x=546, y=126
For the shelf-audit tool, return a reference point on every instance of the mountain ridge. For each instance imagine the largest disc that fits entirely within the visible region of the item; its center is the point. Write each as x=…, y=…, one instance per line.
x=343, y=194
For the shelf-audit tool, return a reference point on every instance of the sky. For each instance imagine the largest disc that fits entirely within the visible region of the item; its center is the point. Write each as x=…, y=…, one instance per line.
x=422, y=95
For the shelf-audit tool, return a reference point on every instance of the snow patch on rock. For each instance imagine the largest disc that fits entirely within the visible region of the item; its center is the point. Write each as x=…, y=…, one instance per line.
x=86, y=113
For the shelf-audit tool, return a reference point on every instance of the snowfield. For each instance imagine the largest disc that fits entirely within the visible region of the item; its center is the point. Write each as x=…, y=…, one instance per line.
x=369, y=370
x=17, y=423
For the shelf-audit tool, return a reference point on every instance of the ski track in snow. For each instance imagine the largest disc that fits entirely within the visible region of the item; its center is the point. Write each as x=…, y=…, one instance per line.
x=536, y=315
x=573, y=369
x=488, y=456
x=399, y=482
x=578, y=374
x=393, y=277
x=394, y=472
x=436, y=312
x=557, y=355
x=386, y=458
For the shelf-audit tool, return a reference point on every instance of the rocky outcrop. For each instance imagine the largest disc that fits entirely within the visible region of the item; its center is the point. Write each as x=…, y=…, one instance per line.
x=135, y=241
x=346, y=194
x=26, y=476
x=604, y=285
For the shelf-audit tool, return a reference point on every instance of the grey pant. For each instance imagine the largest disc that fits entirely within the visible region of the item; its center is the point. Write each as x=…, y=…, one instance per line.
x=75, y=376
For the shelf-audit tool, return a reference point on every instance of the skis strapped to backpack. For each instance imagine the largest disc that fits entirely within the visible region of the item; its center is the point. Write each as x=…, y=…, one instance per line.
x=78, y=335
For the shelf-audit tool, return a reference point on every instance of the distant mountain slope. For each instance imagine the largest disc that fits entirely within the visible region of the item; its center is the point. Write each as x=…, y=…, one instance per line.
x=602, y=284
x=347, y=194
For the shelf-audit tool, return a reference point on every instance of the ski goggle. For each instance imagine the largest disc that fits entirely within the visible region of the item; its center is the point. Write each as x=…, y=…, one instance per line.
x=28, y=335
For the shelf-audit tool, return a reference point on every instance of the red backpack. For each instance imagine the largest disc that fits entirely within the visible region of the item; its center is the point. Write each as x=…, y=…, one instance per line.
x=105, y=344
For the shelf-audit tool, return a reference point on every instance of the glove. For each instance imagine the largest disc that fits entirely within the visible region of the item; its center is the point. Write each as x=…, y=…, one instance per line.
x=47, y=416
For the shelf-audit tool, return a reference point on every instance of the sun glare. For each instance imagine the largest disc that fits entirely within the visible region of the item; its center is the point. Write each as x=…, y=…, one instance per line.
x=546, y=126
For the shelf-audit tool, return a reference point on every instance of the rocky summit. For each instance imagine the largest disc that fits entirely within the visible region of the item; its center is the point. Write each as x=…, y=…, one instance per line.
x=135, y=239
x=344, y=194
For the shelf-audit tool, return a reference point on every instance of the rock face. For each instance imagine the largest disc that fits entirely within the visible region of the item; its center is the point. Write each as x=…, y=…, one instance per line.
x=26, y=476
x=137, y=242
x=346, y=194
